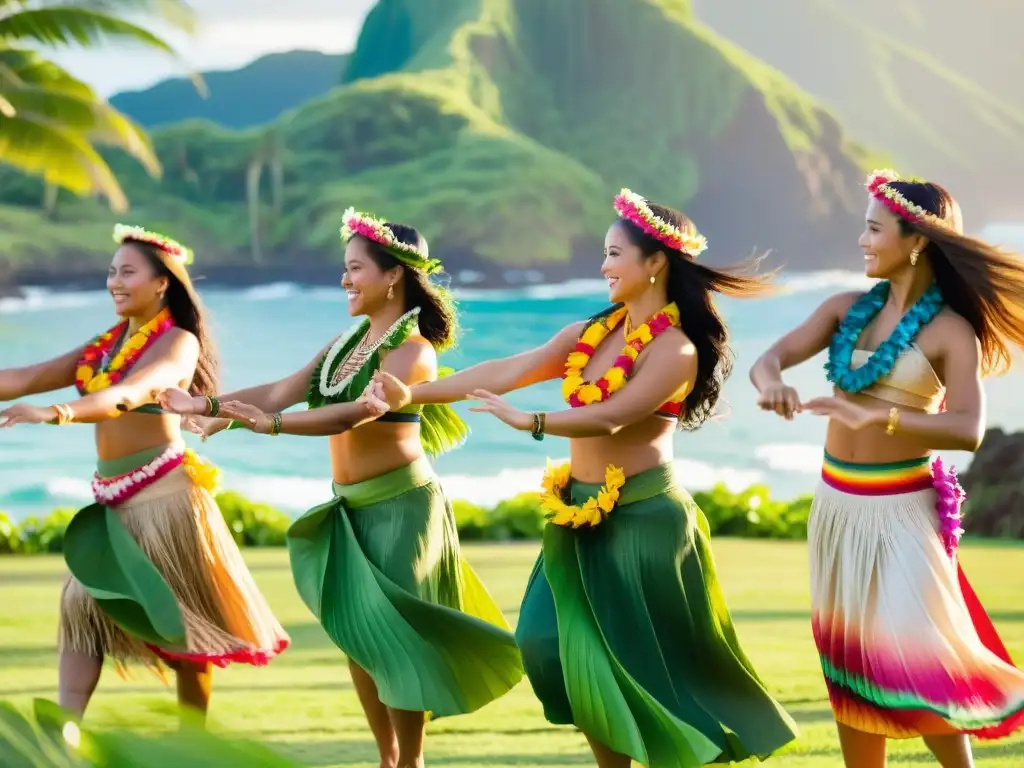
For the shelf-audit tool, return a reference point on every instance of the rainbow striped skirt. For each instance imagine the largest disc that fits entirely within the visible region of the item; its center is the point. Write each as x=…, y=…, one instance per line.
x=905, y=646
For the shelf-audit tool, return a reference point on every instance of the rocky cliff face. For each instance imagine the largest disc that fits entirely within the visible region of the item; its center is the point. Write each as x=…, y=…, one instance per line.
x=995, y=487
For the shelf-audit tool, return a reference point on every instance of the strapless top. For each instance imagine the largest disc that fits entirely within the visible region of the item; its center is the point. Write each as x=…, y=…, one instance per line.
x=912, y=382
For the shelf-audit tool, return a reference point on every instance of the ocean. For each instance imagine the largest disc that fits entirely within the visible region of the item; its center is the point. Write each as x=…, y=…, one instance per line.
x=267, y=332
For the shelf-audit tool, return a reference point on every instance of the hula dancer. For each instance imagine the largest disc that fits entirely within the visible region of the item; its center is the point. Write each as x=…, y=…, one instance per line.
x=155, y=574
x=379, y=564
x=905, y=646
x=624, y=629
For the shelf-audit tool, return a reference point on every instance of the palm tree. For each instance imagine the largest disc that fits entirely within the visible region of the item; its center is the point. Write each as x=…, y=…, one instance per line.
x=51, y=122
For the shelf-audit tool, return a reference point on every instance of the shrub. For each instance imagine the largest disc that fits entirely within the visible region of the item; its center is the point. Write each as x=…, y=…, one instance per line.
x=751, y=513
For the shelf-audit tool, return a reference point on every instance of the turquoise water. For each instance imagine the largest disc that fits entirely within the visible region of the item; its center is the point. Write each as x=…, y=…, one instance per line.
x=265, y=333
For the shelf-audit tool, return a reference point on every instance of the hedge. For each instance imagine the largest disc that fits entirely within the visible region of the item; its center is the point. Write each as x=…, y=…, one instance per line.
x=749, y=514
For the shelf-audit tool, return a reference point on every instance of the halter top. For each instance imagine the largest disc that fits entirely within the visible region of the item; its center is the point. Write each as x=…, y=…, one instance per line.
x=912, y=382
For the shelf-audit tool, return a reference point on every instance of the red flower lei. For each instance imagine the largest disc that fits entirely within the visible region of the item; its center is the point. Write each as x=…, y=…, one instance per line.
x=88, y=376
x=579, y=392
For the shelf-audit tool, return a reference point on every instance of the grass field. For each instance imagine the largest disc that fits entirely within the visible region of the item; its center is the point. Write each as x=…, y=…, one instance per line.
x=304, y=706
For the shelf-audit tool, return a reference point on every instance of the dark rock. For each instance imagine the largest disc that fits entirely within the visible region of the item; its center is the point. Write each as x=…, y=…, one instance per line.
x=995, y=487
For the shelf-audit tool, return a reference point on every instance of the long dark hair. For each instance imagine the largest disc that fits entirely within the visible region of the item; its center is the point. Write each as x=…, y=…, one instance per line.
x=980, y=282
x=189, y=315
x=691, y=286
x=438, y=321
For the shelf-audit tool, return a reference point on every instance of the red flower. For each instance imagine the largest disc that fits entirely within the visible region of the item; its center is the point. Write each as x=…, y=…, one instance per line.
x=574, y=401
x=625, y=363
x=659, y=324
x=586, y=349
x=602, y=384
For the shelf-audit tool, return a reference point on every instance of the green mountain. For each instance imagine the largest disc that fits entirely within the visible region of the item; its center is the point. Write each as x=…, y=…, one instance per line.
x=501, y=128
x=254, y=95
x=936, y=83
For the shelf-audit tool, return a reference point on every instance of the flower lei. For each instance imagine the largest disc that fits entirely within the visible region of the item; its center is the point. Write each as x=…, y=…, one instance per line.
x=93, y=373
x=883, y=359
x=579, y=392
x=329, y=390
x=172, y=248
x=377, y=230
x=593, y=511
x=634, y=208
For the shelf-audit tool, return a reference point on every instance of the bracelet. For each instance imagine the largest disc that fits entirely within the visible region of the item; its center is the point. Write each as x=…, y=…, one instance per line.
x=212, y=407
x=894, y=420
x=537, y=433
x=64, y=415
x=275, y=425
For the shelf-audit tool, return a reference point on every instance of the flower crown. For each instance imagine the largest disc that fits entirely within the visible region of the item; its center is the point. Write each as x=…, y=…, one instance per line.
x=172, y=248
x=376, y=230
x=878, y=185
x=634, y=208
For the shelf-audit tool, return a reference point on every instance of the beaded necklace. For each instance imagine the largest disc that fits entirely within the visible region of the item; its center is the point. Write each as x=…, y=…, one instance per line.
x=883, y=359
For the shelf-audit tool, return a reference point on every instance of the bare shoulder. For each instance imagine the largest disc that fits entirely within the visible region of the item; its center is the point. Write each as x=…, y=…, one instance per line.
x=952, y=330
x=840, y=303
x=177, y=340
x=415, y=357
x=675, y=348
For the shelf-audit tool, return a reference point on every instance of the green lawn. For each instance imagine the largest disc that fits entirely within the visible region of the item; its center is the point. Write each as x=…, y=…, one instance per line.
x=304, y=705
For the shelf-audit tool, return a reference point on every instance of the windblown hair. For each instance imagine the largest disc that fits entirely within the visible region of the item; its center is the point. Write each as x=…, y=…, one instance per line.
x=438, y=321
x=981, y=282
x=188, y=313
x=691, y=286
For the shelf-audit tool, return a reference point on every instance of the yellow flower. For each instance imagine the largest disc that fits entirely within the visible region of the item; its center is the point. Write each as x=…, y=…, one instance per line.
x=577, y=360
x=570, y=384
x=606, y=499
x=594, y=335
x=83, y=373
x=673, y=313
x=590, y=393
x=614, y=477
x=643, y=333
x=631, y=353
x=591, y=514
x=615, y=377
x=564, y=516
x=204, y=474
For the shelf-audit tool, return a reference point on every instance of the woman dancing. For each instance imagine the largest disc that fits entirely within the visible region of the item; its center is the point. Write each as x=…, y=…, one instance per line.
x=624, y=629
x=155, y=574
x=905, y=646
x=379, y=565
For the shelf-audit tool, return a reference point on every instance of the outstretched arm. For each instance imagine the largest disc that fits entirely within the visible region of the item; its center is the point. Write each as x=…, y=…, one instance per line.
x=171, y=360
x=670, y=365
x=506, y=374
x=412, y=362
x=54, y=374
x=801, y=344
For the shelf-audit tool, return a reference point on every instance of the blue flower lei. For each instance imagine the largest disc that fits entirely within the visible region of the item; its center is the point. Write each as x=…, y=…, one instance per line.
x=883, y=359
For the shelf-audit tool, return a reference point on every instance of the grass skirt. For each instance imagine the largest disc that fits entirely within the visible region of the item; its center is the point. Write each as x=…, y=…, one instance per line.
x=905, y=646
x=380, y=568
x=625, y=634
x=159, y=578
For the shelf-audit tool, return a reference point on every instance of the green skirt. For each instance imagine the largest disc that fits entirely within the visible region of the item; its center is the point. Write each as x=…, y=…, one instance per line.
x=625, y=634
x=380, y=568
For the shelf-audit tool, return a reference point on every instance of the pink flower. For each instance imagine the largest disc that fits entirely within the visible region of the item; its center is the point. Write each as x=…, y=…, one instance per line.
x=625, y=363
x=950, y=497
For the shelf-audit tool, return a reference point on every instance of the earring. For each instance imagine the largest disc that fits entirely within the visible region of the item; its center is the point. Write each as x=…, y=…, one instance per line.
x=913, y=257
x=652, y=279
x=391, y=291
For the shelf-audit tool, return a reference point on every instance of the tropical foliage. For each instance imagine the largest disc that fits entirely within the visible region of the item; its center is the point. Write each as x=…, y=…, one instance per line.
x=51, y=123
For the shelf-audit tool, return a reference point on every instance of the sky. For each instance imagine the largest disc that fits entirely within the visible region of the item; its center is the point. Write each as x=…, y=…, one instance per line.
x=227, y=38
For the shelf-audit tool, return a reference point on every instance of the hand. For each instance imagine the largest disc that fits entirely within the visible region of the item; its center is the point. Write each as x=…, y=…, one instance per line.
x=373, y=399
x=495, y=405
x=179, y=401
x=23, y=413
x=845, y=412
x=779, y=398
x=249, y=415
x=391, y=390
x=203, y=426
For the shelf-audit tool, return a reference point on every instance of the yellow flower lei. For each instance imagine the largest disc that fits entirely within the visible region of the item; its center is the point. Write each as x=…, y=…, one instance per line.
x=89, y=378
x=593, y=511
x=203, y=473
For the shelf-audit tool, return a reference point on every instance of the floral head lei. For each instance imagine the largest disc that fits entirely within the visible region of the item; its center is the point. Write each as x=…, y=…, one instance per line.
x=175, y=250
x=635, y=209
x=879, y=186
x=377, y=231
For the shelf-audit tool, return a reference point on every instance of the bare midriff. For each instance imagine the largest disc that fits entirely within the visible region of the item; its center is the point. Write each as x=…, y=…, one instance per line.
x=373, y=449
x=871, y=445
x=636, y=448
x=134, y=432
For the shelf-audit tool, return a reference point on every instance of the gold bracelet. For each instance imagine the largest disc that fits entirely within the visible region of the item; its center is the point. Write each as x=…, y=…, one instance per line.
x=537, y=433
x=64, y=414
x=894, y=420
